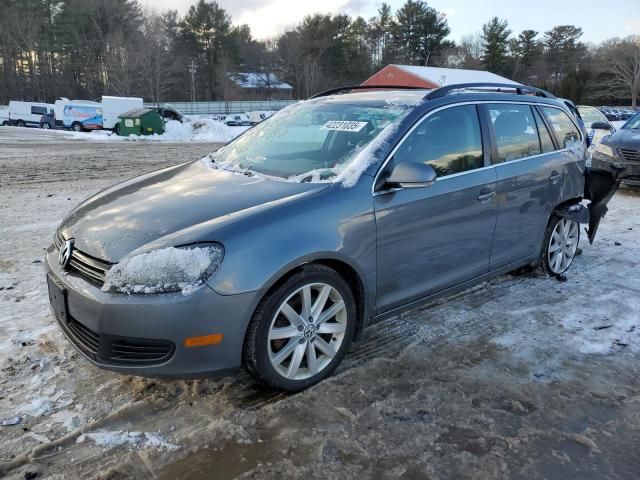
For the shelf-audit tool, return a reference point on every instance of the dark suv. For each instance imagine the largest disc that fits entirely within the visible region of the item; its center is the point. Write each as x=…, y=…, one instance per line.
x=276, y=251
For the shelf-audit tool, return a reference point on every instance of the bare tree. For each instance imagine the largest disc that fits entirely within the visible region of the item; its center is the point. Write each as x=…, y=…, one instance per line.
x=619, y=66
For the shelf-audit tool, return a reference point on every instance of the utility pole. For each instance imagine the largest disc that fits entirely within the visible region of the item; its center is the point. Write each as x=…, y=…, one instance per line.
x=193, y=68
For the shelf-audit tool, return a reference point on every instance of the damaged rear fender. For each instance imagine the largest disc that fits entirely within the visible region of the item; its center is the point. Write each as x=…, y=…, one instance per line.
x=600, y=186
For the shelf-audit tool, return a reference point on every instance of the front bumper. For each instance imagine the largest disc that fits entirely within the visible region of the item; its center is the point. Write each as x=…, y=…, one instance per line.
x=157, y=323
x=631, y=175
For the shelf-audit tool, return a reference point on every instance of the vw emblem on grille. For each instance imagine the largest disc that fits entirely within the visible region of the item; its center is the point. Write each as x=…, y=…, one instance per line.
x=65, y=253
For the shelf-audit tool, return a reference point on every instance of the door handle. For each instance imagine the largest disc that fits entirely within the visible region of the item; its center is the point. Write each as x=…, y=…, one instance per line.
x=486, y=195
x=555, y=176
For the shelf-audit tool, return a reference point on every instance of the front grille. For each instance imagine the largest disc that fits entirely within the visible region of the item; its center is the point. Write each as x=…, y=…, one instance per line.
x=115, y=349
x=629, y=155
x=89, y=267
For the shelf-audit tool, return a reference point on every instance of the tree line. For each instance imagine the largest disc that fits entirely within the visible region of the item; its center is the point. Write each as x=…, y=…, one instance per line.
x=87, y=48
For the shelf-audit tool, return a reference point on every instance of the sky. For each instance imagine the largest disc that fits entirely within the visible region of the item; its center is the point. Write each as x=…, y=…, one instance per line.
x=599, y=19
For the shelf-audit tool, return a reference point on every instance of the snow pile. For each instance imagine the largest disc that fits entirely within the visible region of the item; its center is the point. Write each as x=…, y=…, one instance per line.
x=116, y=438
x=164, y=270
x=199, y=129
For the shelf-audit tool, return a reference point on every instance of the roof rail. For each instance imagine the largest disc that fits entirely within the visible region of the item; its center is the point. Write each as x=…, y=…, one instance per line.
x=497, y=87
x=365, y=87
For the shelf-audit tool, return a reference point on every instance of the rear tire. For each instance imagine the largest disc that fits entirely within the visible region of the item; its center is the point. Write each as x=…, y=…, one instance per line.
x=301, y=330
x=20, y=123
x=77, y=127
x=561, y=244
x=45, y=125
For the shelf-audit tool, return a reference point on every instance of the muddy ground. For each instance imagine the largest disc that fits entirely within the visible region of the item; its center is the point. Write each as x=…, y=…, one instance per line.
x=523, y=377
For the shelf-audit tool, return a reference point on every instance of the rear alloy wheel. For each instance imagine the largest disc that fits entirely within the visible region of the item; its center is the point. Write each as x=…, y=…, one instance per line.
x=562, y=244
x=76, y=127
x=301, y=331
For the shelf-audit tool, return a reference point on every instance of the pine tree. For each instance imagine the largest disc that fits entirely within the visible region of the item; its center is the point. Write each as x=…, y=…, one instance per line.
x=495, y=35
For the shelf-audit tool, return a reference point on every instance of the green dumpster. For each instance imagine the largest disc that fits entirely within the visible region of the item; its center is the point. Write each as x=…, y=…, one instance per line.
x=141, y=121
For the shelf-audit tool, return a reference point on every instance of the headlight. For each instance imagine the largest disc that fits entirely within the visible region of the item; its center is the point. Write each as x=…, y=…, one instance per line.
x=604, y=153
x=181, y=269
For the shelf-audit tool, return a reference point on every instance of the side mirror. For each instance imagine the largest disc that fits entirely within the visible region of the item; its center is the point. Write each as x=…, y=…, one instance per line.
x=601, y=126
x=412, y=175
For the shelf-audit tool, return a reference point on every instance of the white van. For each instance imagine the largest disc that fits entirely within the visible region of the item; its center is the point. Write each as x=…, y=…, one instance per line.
x=24, y=114
x=113, y=107
x=80, y=115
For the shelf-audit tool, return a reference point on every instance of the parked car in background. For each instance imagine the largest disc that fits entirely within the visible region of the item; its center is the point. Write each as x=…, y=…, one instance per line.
x=28, y=114
x=113, y=107
x=48, y=121
x=596, y=123
x=4, y=116
x=169, y=112
x=257, y=117
x=237, y=120
x=395, y=197
x=621, y=150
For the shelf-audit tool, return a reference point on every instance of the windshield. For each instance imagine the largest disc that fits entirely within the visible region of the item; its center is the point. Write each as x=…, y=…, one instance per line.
x=591, y=115
x=633, y=123
x=311, y=141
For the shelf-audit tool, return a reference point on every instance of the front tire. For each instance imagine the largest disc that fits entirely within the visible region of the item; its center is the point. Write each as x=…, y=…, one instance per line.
x=561, y=244
x=77, y=127
x=302, y=330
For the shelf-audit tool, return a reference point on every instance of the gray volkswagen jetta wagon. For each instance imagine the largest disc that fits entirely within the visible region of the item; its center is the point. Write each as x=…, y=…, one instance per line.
x=276, y=251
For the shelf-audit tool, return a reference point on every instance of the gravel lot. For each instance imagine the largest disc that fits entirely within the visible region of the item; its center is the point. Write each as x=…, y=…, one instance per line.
x=523, y=377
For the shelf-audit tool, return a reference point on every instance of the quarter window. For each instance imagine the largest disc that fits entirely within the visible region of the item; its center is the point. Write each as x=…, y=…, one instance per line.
x=545, y=137
x=565, y=130
x=38, y=111
x=449, y=141
x=515, y=131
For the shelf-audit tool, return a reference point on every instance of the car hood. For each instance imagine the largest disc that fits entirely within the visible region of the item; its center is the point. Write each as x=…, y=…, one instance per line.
x=624, y=138
x=141, y=211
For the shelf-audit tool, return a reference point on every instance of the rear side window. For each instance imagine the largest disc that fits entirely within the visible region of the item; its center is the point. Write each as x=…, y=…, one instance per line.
x=449, y=140
x=515, y=131
x=565, y=130
x=38, y=110
x=545, y=137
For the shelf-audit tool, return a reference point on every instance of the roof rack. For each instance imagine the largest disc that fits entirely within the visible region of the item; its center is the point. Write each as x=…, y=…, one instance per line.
x=364, y=87
x=496, y=87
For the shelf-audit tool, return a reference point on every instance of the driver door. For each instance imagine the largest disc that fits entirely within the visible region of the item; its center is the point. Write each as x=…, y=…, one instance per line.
x=433, y=238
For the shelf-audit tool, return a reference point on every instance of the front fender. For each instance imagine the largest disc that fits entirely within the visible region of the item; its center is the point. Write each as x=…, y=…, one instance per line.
x=336, y=224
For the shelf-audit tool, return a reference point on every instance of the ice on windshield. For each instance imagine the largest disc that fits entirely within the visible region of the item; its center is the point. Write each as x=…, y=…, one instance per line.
x=315, y=141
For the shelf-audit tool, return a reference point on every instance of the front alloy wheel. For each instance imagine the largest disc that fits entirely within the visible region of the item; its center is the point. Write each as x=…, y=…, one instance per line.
x=562, y=245
x=301, y=331
x=307, y=331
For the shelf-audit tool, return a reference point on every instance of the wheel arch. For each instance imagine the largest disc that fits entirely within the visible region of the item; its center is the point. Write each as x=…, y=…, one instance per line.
x=349, y=272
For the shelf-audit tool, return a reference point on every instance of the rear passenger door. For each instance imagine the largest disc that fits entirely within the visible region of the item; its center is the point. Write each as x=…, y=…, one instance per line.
x=530, y=172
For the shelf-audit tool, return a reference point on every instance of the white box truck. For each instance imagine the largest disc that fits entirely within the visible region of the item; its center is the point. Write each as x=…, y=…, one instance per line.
x=23, y=114
x=113, y=107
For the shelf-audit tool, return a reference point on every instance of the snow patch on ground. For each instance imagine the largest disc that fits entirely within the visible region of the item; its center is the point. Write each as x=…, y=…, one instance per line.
x=116, y=438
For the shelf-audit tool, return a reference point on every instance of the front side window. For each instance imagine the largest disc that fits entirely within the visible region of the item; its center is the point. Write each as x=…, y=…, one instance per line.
x=515, y=131
x=565, y=130
x=449, y=140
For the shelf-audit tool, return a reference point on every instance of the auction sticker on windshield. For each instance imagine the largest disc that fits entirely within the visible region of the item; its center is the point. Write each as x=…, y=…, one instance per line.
x=344, y=126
